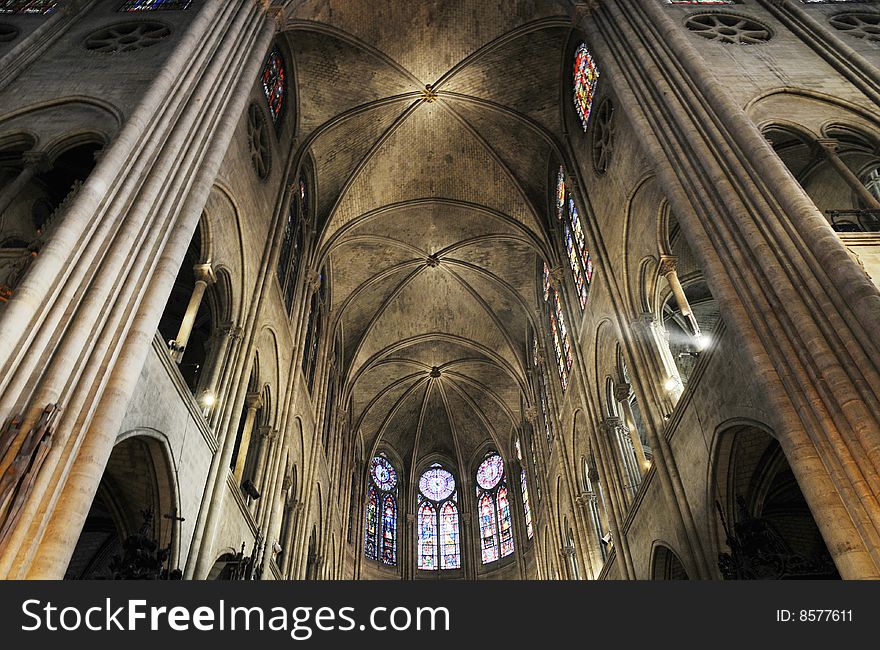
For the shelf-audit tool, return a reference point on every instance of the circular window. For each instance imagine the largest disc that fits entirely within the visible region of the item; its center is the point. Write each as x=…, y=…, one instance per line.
x=490, y=472
x=127, y=37
x=603, y=137
x=8, y=33
x=258, y=140
x=383, y=474
x=866, y=26
x=728, y=28
x=437, y=484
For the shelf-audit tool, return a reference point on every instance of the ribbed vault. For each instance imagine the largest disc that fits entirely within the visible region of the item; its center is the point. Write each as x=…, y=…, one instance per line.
x=434, y=204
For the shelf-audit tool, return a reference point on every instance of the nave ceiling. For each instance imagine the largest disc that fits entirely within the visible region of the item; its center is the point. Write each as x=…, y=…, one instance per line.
x=432, y=129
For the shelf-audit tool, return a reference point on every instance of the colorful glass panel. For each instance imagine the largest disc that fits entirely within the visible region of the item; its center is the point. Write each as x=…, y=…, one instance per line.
x=27, y=6
x=427, y=536
x=383, y=473
x=372, y=523
x=586, y=76
x=490, y=472
x=547, y=283
x=560, y=193
x=437, y=484
x=505, y=529
x=450, y=547
x=488, y=544
x=274, y=81
x=389, y=530
x=574, y=219
x=575, y=263
x=527, y=509
x=154, y=5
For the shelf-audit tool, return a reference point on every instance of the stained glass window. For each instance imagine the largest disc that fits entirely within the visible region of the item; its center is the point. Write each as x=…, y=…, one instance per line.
x=437, y=484
x=292, y=242
x=153, y=5
x=427, y=536
x=547, y=282
x=574, y=240
x=493, y=510
x=586, y=75
x=450, y=555
x=383, y=473
x=579, y=282
x=523, y=482
x=439, y=544
x=274, y=80
x=389, y=530
x=372, y=523
x=488, y=541
x=505, y=530
x=380, y=535
x=560, y=193
x=27, y=6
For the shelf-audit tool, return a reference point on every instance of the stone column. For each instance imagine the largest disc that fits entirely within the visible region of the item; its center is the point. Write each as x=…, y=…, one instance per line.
x=204, y=277
x=35, y=162
x=254, y=403
x=293, y=511
x=267, y=437
x=120, y=243
x=828, y=147
x=624, y=460
x=669, y=269
x=622, y=393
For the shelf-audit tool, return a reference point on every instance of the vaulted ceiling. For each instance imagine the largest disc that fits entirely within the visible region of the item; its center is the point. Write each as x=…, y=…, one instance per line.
x=432, y=128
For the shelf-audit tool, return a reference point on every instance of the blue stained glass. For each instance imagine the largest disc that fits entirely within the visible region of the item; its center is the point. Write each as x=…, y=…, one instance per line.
x=437, y=484
x=439, y=546
x=27, y=6
x=450, y=557
x=488, y=544
x=380, y=536
x=372, y=523
x=389, y=530
x=383, y=473
x=427, y=537
x=505, y=529
x=490, y=472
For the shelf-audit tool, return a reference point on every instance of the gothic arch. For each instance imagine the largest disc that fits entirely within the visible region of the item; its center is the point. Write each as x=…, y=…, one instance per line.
x=665, y=563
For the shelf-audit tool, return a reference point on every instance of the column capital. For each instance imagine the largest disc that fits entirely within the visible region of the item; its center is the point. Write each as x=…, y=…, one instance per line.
x=205, y=273
x=266, y=432
x=557, y=274
x=612, y=424
x=39, y=160
x=531, y=415
x=254, y=401
x=622, y=392
x=827, y=145
x=644, y=320
x=313, y=280
x=668, y=264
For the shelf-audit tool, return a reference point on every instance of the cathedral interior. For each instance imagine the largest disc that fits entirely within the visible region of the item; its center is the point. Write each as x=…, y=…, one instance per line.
x=453, y=289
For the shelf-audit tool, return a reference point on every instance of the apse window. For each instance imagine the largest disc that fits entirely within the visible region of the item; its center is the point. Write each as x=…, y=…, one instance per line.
x=493, y=510
x=380, y=538
x=439, y=544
